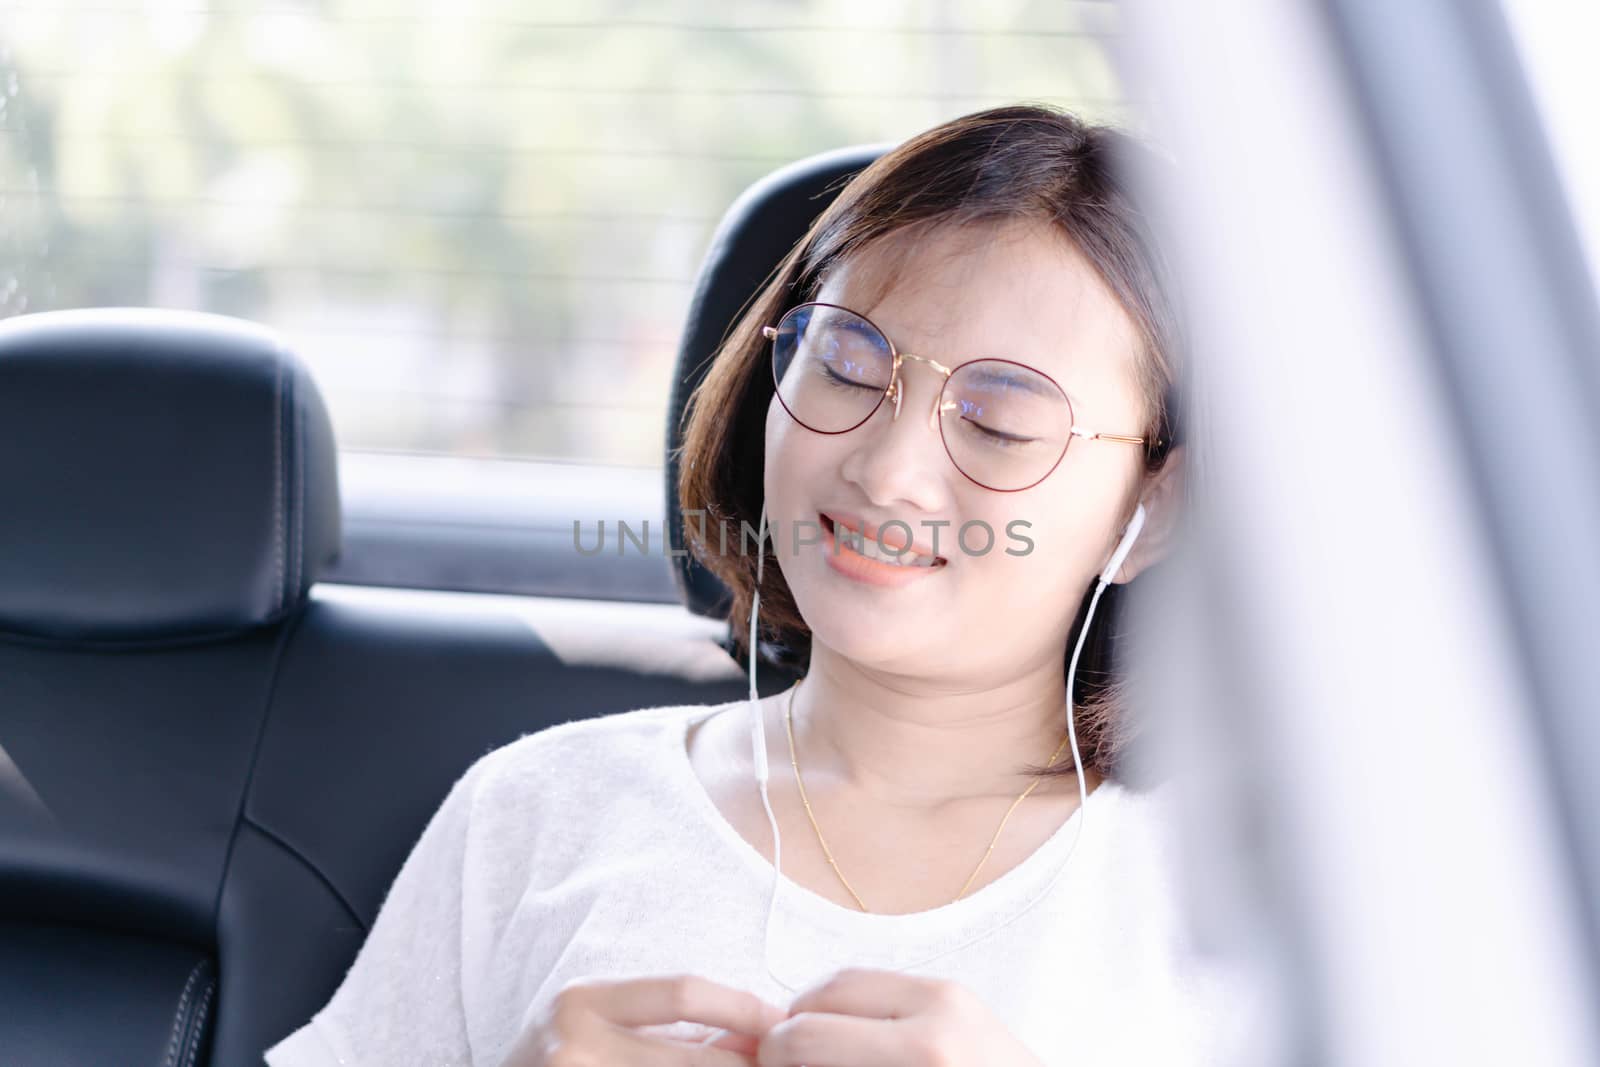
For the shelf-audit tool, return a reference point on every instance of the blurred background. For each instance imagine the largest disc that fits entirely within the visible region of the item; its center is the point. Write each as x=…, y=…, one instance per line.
x=477, y=221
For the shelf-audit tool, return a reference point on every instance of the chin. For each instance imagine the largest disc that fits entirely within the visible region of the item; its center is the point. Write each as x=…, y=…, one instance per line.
x=865, y=639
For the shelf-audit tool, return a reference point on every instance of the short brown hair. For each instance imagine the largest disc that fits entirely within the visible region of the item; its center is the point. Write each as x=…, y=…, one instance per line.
x=1022, y=161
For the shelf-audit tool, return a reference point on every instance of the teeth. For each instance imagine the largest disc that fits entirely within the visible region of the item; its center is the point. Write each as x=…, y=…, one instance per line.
x=868, y=546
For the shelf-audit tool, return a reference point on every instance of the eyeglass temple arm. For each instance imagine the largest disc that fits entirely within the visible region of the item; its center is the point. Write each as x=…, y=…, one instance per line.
x=1094, y=435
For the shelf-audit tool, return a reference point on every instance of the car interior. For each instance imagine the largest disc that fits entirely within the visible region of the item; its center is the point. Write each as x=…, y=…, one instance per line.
x=237, y=758
x=335, y=338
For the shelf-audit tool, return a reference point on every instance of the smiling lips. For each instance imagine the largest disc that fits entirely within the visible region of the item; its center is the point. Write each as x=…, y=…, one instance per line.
x=894, y=539
x=871, y=564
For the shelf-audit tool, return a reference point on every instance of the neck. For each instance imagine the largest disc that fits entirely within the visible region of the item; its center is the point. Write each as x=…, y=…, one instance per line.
x=918, y=742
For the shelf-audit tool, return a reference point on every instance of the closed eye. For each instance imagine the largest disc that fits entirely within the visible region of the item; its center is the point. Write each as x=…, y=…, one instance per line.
x=999, y=437
x=835, y=378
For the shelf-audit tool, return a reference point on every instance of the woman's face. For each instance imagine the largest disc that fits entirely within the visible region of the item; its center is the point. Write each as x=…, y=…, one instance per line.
x=1016, y=291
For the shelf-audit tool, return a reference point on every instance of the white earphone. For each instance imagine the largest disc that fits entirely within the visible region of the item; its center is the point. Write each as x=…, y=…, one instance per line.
x=758, y=728
x=1124, y=546
x=758, y=741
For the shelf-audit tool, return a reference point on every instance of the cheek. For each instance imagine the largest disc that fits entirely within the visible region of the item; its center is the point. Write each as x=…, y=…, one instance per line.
x=795, y=466
x=1045, y=537
x=779, y=447
x=784, y=452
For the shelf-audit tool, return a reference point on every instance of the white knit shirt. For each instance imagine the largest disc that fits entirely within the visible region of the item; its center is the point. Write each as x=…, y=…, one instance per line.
x=591, y=849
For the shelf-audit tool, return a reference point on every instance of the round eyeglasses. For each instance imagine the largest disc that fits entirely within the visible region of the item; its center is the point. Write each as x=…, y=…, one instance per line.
x=1005, y=425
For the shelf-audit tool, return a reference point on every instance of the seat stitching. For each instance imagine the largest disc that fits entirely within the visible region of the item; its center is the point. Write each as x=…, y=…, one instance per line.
x=199, y=1025
x=179, y=1016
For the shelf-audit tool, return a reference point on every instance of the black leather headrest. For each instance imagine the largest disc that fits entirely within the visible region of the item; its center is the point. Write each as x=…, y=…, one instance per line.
x=164, y=476
x=767, y=220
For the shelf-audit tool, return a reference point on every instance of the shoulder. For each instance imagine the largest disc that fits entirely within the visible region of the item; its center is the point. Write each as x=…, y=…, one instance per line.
x=1144, y=816
x=570, y=798
x=572, y=762
x=1174, y=855
x=1144, y=854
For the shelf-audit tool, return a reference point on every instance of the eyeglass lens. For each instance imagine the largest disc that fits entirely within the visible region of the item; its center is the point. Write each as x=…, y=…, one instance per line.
x=1004, y=425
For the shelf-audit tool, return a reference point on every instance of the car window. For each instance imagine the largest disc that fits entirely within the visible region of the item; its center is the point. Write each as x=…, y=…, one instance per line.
x=478, y=223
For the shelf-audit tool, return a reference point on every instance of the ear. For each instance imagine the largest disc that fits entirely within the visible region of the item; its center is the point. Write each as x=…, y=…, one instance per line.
x=1162, y=497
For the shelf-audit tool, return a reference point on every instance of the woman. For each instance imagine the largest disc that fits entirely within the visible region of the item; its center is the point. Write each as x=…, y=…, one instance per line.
x=894, y=411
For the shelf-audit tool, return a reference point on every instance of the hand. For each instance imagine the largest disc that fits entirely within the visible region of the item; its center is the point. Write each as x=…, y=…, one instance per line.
x=592, y=1023
x=869, y=1018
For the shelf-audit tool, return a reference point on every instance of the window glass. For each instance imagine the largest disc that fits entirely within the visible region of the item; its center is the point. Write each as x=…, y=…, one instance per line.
x=478, y=220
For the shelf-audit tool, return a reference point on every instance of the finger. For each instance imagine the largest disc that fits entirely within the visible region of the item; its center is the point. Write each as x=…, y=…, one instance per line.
x=674, y=998
x=818, y=1040
x=728, y=1039
x=871, y=993
x=744, y=1044
x=603, y=1042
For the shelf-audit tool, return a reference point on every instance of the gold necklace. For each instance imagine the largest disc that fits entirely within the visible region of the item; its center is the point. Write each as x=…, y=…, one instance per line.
x=788, y=721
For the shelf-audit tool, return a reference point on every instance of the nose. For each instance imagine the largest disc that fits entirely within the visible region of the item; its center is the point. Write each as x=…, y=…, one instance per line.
x=901, y=462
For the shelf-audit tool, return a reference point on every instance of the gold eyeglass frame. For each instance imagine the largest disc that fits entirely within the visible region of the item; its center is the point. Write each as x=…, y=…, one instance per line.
x=896, y=389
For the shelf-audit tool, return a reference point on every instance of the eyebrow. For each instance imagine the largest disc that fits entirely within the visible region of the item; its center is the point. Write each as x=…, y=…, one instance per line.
x=861, y=326
x=1022, y=380
x=1037, y=388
